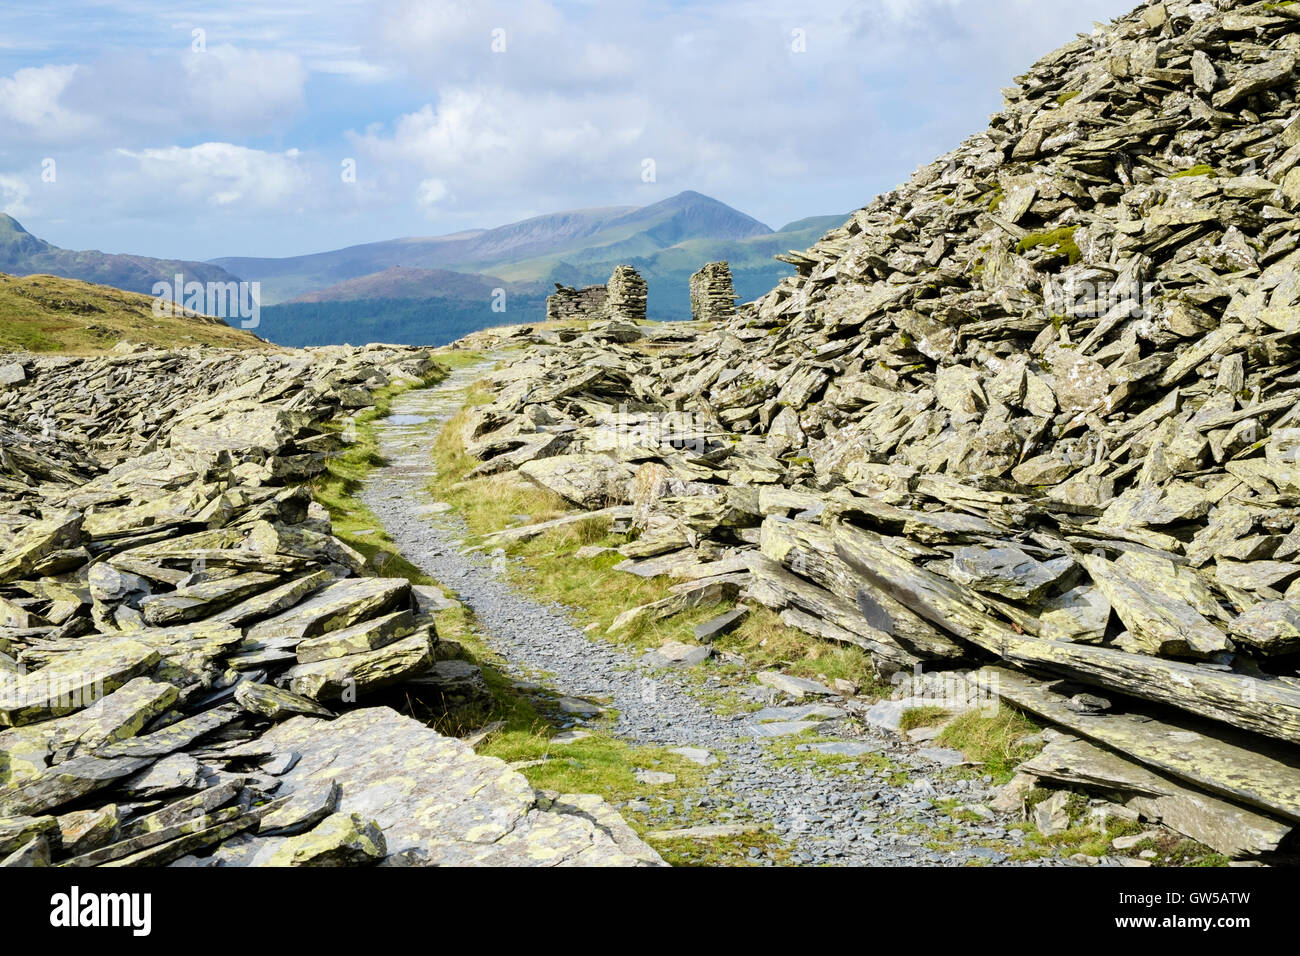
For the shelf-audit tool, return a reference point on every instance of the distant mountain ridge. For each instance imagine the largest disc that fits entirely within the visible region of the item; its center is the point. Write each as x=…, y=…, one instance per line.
x=22, y=254
x=608, y=234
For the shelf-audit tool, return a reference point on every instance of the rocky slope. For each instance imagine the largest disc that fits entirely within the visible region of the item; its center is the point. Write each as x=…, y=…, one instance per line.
x=193, y=667
x=1030, y=417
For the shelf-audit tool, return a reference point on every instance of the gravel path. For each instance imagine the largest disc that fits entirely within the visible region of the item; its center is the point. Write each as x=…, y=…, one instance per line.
x=853, y=817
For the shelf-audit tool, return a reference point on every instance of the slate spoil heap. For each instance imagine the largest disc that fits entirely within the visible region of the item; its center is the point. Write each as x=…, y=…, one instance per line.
x=713, y=297
x=179, y=628
x=1034, y=415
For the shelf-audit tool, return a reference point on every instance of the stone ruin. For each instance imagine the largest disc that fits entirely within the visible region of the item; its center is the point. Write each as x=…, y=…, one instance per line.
x=627, y=292
x=623, y=297
x=568, y=303
x=713, y=297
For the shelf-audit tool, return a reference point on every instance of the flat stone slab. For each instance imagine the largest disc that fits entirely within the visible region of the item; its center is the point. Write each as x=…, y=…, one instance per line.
x=358, y=673
x=888, y=714
x=677, y=654
x=943, y=756
x=796, y=687
x=782, y=728
x=436, y=800
x=337, y=606
x=848, y=748
x=571, y=736
x=1232, y=830
x=576, y=705
x=720, y=625
x=74, y=681
x=1221, y=761
x=696, y=755
x=655, y=778
x=716, y=831
x=805, y=712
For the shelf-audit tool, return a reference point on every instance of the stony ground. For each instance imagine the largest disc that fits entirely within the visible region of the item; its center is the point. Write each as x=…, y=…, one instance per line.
x=890, y=809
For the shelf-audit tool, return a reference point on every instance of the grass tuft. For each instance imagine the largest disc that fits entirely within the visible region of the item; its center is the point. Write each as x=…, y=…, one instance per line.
x=997, y=742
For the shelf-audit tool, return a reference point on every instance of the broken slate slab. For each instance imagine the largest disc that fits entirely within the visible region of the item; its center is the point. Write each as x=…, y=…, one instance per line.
x=434, y=794
x=654, y=778
x=357, y=639
x=276, y=702
x=803, y=712
x=796, y=687
x=1007, y=571
x=720, y=625
x=305, y=808
x=944, y=756
x=341, y=839
x=782, y=728
x=677, y=654
x=360, y=673
x=696, y=755
x=1234, y=831
x=74, y=681
x=337, y=606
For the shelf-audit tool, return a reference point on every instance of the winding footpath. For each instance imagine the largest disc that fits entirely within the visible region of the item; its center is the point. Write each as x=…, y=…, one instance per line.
x=849, y=815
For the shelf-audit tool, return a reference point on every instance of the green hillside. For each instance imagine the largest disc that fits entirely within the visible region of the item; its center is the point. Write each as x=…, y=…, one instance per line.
x=52, y=314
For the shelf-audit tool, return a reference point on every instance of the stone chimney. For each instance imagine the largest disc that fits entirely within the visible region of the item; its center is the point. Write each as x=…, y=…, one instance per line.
x=627, y=292
x=713, y=297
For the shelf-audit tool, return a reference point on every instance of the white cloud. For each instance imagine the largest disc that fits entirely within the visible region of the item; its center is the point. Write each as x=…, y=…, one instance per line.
x=32, y=98
x=13, y=195
x=431, y=192
x=363, y=71
x=129, y=99
x=219, y=175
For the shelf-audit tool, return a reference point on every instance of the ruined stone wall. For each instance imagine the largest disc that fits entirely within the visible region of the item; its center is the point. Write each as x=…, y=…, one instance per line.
x=568, y=303
x=627, y=294
x=713, y=297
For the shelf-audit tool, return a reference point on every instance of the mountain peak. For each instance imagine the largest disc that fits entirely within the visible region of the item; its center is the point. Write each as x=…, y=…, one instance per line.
x=11, y=226
x=690, y=214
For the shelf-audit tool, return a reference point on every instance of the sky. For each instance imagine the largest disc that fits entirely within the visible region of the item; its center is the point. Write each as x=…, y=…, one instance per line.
x=271, y=128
